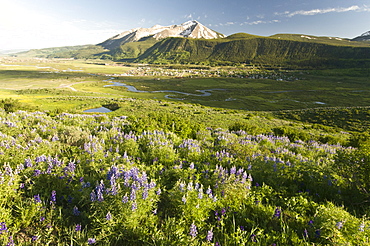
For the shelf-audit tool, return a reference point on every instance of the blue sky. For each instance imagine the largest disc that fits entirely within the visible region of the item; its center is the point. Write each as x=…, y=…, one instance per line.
x=28, y=24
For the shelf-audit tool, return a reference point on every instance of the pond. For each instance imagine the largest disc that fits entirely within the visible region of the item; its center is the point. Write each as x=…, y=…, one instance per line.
x=98, y=110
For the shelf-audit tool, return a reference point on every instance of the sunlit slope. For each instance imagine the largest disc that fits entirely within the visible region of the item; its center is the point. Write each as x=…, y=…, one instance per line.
x=254, y=49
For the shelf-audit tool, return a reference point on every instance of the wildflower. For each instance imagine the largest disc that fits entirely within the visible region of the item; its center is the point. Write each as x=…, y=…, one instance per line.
x=76, y=212
x=133, y=206
x=200, y=194
x=133, y=195
x=317, y=233
x=78, y=227
x=209, y=236
x=3, y=227
x=339, y=225
x=91, y=241
x=125, y=198
x=305, y=233
x=193, y=230
x=158, y=192
x=277, y=212
x=362, y=226
x=36, y=172
x=53, y=197
x=253, y=238
x=108, y=216
x=183, y=199
x=11, y=241
x=217, y=244
x=42, y=218
x=37, y=198
x=93, y=196
x=145, y=194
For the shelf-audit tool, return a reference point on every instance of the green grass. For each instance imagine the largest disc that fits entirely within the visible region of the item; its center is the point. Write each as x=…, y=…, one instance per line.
x=304, y=89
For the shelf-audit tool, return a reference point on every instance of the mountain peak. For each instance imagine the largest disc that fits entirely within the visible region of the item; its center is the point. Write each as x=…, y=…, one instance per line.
x=363, y=37
x=365, y=34
x=189, y=29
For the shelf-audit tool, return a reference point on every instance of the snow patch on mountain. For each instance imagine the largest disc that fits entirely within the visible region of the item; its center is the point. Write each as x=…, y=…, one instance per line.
x=365, y=34
x=189, y=29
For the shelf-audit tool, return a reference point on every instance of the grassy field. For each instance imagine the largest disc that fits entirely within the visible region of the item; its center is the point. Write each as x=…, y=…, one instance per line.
x=291, y=170
x=32, y=80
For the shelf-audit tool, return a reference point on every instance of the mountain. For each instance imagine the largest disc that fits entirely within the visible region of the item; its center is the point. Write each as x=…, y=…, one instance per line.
x=250, y=49
x=363, y=37
x=190, y=29
x=192, y=42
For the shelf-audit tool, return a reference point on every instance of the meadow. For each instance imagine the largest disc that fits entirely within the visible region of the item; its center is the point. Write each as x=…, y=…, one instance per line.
x=274, y=158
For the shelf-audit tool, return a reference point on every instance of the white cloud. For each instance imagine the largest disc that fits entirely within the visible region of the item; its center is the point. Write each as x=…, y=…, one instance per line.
x=259, y=22
x=323, y=11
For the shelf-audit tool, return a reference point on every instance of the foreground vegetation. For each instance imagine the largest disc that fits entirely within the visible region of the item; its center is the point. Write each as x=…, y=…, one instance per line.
x=159, y=171
x=84, y=179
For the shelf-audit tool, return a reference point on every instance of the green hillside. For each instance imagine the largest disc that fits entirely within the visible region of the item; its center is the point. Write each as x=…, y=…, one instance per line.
x=65, y=52
x=286, y=50
x=322, y=40
x=257, y=50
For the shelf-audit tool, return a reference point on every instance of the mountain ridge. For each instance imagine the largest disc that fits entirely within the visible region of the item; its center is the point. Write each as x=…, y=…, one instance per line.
x=189, y=29
x=363, y=37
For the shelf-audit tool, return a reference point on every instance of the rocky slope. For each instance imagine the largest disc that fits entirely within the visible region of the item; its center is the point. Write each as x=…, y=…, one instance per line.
x=190, y=29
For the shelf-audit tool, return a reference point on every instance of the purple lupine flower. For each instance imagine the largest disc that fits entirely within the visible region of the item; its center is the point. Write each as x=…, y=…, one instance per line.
x=217, y=244
x=133, y=195
x=55, y=138
x=223, y=211
x=133, y=206
x=37, y=198
x=76, y=212
x=36, y=172
x=53, y=197
x=99, y=191
x=317, y=233
x=233, y=170
x=78, y=227
x=125, y=198
x=183, y=199
x=193, y=230
x=108, y=216
x=158, y=192
x=361, y=227
x=339, y=225
x=209, y=236
x=91, y=241
x=253, y=238
x=200, y=193
x=28, y=162
x=305, y=233
x=3, y=227
x=42, y=218
x=93, y=196
x=11, y=241
x=277, y=212
x=191, y=166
